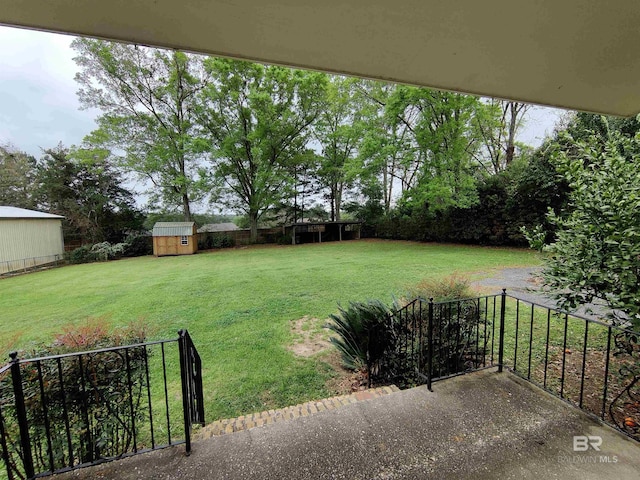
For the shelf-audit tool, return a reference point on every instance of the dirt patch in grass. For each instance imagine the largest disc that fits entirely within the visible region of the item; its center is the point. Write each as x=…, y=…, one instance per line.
x=343, y=381
x=310, y=336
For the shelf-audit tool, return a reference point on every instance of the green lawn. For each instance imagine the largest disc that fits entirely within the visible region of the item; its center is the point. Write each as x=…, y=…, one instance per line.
x=238, y=305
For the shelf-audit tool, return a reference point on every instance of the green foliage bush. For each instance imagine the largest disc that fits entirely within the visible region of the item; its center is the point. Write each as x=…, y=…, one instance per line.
x=596, y=255
x=105, y=251
x=81, y=254
x=364, y=334
x=284, y=240
x=536, y=236
x=138, y=246
x=135, y=245
x=224, y=241
x=519, y=197
x=453, y=287
x=216, y=240
x=372, y=337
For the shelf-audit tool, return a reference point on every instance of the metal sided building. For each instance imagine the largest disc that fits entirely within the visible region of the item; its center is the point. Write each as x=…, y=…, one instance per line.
x=29, y=238
x=174, y=238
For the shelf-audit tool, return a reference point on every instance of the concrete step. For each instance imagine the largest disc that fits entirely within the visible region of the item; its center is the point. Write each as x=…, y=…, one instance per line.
x=254, y=420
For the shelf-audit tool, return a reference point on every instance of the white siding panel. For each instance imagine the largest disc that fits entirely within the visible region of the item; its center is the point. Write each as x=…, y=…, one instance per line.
x=29, y=242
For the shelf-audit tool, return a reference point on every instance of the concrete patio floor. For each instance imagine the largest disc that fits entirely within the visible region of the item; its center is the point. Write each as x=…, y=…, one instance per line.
x=482, y=425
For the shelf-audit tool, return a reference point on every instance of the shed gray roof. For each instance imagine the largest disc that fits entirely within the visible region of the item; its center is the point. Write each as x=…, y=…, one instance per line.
x=15, y=212
x=172, y=229
x=218, y=227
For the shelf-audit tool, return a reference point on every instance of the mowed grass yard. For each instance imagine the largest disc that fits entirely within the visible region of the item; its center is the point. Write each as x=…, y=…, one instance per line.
x=239, y=306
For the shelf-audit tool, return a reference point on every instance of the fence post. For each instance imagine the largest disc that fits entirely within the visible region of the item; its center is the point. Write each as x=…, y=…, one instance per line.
x=501, y=341
x=430, y=344
x=21, y=414
x=184, y=377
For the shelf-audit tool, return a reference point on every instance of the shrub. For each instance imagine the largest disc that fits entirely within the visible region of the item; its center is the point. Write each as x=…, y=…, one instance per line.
x=453, y=287
x=596, y=255
x=106, y=251
x=284, y=240
x=216, y=240
x=92, y=397
x=81, y=254
x=390, y=344
x=137, y=246
x=364, y=335
x=205, y=241
x=223, y=241
x=536, y=236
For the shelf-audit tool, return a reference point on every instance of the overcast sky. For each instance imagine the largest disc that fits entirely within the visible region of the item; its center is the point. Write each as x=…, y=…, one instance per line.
x=39, y=107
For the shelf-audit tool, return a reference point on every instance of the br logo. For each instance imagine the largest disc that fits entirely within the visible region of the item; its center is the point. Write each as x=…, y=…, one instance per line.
x=582, y=443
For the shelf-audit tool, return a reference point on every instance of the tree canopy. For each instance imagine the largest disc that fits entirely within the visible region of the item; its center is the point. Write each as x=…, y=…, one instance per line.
x=147, y=99
x=256, y=120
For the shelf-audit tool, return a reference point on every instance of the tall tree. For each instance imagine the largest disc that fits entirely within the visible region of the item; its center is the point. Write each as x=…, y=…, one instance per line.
x=440, y=124
x=339, y=130
x=257, y=121
x=304, y=187
x=386, y=150
x=497, y=124
x=147, y=99
x=18, y=172
x=88, y=194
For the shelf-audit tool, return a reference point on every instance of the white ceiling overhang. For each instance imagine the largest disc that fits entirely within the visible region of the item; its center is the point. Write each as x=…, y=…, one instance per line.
x=579, y=54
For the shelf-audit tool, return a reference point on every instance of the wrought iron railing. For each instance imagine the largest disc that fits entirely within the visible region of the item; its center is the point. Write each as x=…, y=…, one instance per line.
x=436, y=340
x=589, y=363
x=67, y=411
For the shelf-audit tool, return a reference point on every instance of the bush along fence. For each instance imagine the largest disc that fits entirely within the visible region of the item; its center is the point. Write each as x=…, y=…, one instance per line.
x=593, y=365
x=67, y=411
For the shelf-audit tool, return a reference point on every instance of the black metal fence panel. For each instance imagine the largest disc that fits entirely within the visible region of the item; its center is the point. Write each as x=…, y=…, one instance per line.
x=66, y=411
x=435, y=340
x=191, y=380
x=591, y=364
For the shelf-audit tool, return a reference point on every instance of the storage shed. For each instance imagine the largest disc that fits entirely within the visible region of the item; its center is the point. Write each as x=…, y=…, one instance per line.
x=29, y=239
x=174, y=238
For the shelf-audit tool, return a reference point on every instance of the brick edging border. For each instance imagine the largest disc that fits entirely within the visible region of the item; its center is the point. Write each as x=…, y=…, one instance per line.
x=247, y=422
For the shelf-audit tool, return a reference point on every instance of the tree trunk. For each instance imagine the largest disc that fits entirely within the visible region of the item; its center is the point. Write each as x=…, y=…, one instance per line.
x=186, y=208
x=332, y=196
x=516, y=110
x=338, y=200
x=253, y=224
x=385, y=180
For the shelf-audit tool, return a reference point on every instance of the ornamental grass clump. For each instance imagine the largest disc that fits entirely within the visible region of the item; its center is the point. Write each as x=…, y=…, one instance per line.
x=453, y=287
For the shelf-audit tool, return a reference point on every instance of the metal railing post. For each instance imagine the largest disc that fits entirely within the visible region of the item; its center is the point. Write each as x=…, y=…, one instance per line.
x=21, y=414
x=501, y=341
x=430, y=344
x=186, y=396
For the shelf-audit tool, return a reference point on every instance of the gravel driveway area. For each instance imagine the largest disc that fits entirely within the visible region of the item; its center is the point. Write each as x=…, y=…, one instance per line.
x=525, y=283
